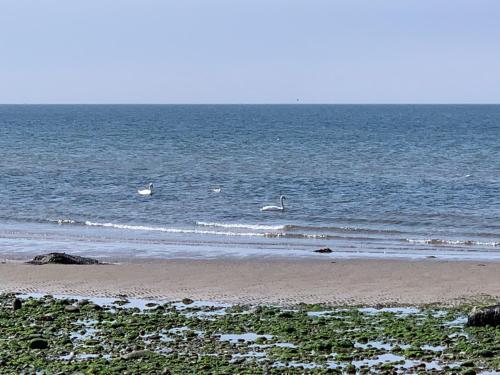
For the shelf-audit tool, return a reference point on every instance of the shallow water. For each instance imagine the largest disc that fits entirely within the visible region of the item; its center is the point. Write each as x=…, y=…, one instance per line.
x=381, y=181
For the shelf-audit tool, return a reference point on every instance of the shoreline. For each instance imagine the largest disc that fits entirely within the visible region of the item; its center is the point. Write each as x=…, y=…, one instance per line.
x=345, y=282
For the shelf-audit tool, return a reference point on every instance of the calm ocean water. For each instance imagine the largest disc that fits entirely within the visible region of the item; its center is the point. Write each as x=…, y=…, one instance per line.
x=388, y=180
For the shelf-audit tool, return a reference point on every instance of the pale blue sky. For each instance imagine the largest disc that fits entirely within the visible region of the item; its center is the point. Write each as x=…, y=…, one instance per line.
x=249, y=51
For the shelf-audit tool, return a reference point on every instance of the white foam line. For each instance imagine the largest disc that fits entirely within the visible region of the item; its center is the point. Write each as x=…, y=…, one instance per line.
x=453, y=242
x=242, y=226
x=171, y=230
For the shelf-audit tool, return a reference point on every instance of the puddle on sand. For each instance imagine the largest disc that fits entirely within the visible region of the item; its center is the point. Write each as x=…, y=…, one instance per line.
x=86, y=330
x=125, y=302
x=206, y=314
x=433, y=348
x=199, y=304
x=259, y=355
x=319, y=314
x=161, y=337
x=83, y=356
x=380, y=345
x=400, y=311
x=384, y=358
x=458, y=322
x=90, y=333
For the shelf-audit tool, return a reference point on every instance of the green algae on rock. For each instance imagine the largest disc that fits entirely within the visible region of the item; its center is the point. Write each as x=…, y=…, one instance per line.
x=178, y=338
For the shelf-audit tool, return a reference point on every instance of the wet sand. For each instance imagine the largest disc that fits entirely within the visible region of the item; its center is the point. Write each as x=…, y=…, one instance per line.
x=283, y=282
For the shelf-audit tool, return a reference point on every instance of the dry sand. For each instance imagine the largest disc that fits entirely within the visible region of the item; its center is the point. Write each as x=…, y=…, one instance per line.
x=284, y=282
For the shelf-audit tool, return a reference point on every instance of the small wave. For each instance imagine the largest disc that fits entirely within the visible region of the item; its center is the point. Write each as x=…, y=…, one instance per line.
x=223, y=233
x=318, y=236
x=342, y=229
x=281, y=231
x=171, y=230
x=438, y=241
x=62, y=221
x=242, y=226
x=291, y=227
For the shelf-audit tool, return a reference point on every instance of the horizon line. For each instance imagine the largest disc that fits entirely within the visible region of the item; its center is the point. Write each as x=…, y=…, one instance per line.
x=257, y=103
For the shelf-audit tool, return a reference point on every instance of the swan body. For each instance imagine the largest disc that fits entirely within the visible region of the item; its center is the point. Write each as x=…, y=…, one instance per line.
x=148, y=191
x=216, y=189
x=281, y=207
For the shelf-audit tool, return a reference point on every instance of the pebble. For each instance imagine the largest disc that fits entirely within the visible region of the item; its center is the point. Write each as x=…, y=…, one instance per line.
x=71, y=308
x=95, y=306
x=136, y=354
x=83, y=302
x=48, y=317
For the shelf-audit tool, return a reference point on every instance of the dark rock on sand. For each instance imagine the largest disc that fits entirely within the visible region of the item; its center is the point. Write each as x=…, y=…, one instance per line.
x=187, y=301
x=325, y=250
x=484, y=316
x=61, y=258
x=38, y=344
x=17, y=304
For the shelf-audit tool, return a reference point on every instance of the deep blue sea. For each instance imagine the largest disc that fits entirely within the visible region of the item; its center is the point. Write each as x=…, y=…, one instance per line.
x=363, y=180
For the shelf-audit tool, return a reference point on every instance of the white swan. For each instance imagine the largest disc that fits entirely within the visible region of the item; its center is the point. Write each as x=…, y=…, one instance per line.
x=148, y=191
x=281, y=207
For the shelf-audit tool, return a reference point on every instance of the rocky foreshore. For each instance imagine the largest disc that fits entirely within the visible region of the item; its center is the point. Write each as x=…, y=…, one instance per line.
x=63, y=335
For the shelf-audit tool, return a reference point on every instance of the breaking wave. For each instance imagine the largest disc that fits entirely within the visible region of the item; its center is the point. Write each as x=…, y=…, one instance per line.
x=438, y=241
x=291, y=227
x=243, y=226
x=171, y=230
x=288, y=231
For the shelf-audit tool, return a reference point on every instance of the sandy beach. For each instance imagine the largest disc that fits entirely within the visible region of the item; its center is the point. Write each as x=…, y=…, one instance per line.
x=283, y=282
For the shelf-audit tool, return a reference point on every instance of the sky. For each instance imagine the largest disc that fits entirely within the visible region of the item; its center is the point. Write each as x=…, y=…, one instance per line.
x=249, y=51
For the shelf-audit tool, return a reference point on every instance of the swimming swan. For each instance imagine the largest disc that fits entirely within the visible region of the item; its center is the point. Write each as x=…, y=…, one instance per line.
x=281, y=207
x=148, y=191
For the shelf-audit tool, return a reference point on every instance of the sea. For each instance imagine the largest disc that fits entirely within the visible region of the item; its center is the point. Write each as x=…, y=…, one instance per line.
x=366, y=181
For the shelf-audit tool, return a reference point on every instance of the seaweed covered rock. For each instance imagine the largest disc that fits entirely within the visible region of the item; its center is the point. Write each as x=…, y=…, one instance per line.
x=17, y=304
x=71, y=308
x=136, y=354
x=38, y=344
x=484, y=316
x=61, y=258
